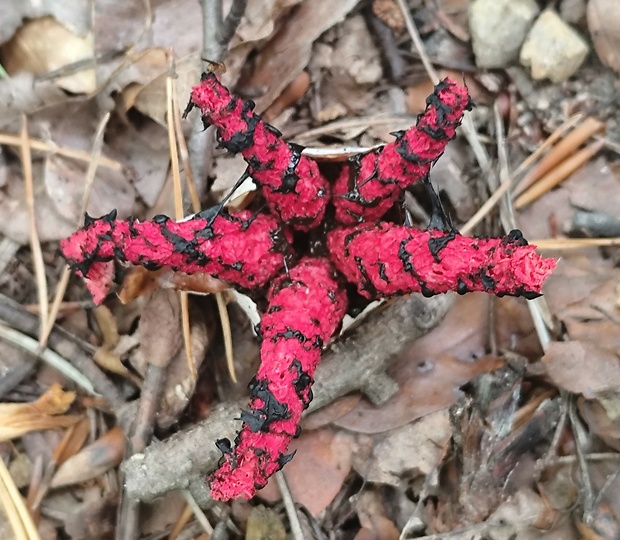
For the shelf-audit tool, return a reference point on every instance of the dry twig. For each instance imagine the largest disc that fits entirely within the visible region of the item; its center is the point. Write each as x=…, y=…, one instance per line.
x=351, y=364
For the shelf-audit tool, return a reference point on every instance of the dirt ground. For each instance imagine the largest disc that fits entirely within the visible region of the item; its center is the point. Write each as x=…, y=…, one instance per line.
x=451, y=417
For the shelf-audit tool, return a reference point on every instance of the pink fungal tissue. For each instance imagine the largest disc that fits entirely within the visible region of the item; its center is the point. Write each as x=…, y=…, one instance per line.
x=273, y=254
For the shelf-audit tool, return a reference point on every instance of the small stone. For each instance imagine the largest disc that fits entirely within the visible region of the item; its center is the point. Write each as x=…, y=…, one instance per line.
x=498, y=28
x=553, y=50
x=573, y=11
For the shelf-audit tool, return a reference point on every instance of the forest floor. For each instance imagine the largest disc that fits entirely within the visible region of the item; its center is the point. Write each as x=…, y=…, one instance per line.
x=492, y=418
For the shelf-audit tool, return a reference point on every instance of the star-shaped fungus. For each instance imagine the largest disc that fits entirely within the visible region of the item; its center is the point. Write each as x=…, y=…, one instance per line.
x=297, y=255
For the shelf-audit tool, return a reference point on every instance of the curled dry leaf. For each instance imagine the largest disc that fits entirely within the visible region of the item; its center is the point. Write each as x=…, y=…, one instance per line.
x=180, y=382
x=95, y=459
x=16, y=419
x=160, y=328
x=43, y=45
x=604, y=25
x=138, y=281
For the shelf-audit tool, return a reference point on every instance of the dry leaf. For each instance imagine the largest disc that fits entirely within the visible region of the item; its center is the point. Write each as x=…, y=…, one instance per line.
x=411, y=450
x=107, y=326
x=151, y=100
x=373, y=516
x=143, y=145
x=264, y=524
x=322, y=462
x=431, y=371
x=160, y=328
x=43, y=45
x=180, y=383
x=288, y=53
x=95, y=459
x=138, y=281
x=51, y=225
x=604, y=25
x=72, y=441
x=582, y=368
x=16, y=419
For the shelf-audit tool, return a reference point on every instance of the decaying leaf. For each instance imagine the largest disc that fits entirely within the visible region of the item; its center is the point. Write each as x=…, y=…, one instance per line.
x=160, y=329
x=264, y=524
x=140, y=282
x=43, y=45
x=95, y=459
x=582, y=368
x=604, y=25
x=430, y=373
x=16, y=419
x=289, y=51
x=412, y=449
x=322, y=462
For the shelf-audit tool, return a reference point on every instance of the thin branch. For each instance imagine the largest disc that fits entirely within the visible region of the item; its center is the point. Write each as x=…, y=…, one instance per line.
x=35, y=244
x=66, y=345
x=71, y=153
x=26, y=343
x=231, y=23
x=289, y=505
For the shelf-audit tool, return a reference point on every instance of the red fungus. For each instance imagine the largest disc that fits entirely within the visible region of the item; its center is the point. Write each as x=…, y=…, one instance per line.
x=306, y=305
x=305, y=308
x=244, y=249
x=368, y=187
x=386, y=260
x=293, y=186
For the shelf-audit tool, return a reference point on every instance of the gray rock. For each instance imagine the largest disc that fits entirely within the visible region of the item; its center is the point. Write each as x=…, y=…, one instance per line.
x=573, y=11
x=498, y=28
x=553, y=50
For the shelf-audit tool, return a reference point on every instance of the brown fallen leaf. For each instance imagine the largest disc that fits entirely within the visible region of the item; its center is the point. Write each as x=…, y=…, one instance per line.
x=151, y=99
x=180, y=383
x=599, y=422
x=330, y=413
x=160, y=329
x=583, y=368
x=72, y=441
x=138, y=281
x=43, y=45
x=288, y=52
x=95, y=459
x=412, y=450
x=289, y=96
x=430, y=373
x=322, y=462
x=604, y=25
x=16, y=419
x=373, y=516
